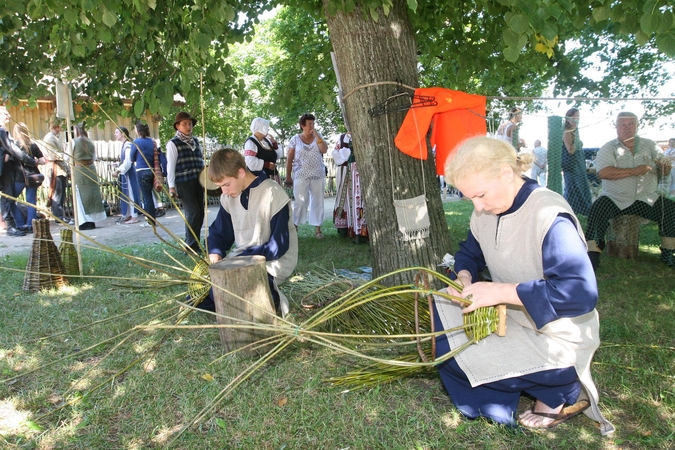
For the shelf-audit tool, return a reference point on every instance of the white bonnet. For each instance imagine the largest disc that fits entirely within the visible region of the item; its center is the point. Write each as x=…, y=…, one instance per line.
x=260, y=125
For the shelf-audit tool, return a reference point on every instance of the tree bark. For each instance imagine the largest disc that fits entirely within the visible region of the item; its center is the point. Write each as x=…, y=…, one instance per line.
x=369, y=51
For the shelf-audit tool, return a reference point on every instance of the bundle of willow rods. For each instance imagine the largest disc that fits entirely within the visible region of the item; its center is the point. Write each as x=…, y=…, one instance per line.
x=391, y=314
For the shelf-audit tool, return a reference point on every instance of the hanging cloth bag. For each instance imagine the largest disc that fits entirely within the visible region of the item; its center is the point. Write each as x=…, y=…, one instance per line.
x=412, y=214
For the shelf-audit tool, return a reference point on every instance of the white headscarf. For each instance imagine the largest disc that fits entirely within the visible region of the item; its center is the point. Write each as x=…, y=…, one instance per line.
x=260, y=125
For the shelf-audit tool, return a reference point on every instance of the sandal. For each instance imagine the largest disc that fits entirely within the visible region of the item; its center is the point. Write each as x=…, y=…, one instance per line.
x=566, y=413
x=319, y=235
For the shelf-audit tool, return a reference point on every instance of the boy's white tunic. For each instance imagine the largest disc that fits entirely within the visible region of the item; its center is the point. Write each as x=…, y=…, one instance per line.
x=252, y=226
x=566, y=342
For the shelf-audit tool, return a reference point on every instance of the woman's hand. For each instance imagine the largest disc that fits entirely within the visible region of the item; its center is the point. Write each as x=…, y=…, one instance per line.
x=463, y=278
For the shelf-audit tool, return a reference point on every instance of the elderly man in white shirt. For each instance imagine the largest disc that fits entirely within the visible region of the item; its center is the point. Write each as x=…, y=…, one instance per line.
x=628, y=167
x=540, y=163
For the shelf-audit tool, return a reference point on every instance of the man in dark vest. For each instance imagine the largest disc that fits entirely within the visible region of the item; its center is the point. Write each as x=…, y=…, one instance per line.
x=185, y=162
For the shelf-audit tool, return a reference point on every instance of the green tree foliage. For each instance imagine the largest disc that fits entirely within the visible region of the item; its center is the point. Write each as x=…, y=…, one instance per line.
x=143, y=50
x=521, y=47
x=287, y=72
x=150, y=50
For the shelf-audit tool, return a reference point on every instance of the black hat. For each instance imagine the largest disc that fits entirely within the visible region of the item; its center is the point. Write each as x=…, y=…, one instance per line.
x=183, y=116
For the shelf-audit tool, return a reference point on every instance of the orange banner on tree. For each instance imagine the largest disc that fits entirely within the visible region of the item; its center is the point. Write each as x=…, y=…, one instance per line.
x=458, y=116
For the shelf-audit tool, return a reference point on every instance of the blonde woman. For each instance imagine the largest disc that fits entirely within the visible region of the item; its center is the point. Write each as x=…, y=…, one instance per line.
x=534, y=246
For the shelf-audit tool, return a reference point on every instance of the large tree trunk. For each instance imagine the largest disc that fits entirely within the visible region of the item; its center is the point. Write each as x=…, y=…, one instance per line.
x=371, y=52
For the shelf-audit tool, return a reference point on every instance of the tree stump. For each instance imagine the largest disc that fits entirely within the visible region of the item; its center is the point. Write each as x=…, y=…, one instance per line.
x=625, y=231
x=234, y=279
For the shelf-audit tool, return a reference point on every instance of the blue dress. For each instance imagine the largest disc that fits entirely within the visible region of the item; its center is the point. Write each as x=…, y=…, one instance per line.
x=577, y=190
x=129, y=186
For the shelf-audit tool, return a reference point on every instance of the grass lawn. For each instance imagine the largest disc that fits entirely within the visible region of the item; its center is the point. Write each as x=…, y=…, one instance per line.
x=87, y=331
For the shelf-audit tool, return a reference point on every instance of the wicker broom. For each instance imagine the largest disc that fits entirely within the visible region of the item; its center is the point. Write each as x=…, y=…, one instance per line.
x=68, y=252
x=45, y=268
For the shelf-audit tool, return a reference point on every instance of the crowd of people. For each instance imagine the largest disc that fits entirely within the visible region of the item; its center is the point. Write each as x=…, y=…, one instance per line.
x=18, y=159
x=183, y=165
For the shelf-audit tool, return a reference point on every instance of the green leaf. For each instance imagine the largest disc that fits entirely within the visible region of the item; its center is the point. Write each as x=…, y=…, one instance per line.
x=374, y=15
x=139, y=108
x=549, y=31
x=666, y=43
x=78, y=50
x=511, y=54
x=519, y=23
x=164, y=91
x=84, y=19
x=510, y=38
x=631, y=23
x=152, y=4
x=221, y=423
x=385, y=8
x=665, y=22
x=70, y=14
x=578, y=21
x=649, y=22
x=33, y=425
x=649, y=6
x=203, y=40
x=109, y=18
x=641, y=38
x=555, y=11
x=412, y=4
x=230, y=13
x=105, y=35
x=522, y=41
x=601, y=13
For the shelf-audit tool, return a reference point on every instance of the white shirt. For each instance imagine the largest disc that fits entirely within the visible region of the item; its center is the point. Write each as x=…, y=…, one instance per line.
x=540, y=157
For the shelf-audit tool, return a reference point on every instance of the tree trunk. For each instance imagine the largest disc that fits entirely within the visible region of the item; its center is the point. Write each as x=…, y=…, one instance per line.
x=371, y=52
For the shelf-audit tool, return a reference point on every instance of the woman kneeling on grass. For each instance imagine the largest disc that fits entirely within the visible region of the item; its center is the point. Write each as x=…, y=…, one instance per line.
x=535, y=249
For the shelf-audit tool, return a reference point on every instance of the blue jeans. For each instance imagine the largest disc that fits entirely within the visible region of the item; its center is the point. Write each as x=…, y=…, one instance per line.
x=146, y=178
x=19, y=219
x=31, y=198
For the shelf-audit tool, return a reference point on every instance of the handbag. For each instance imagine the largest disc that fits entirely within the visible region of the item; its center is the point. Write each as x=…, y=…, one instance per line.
x=32, y=177
x=158, y=184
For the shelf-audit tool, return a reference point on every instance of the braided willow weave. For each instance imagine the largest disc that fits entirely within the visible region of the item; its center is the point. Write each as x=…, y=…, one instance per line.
x=68, y=252
x=45, y=268
x=198, y=289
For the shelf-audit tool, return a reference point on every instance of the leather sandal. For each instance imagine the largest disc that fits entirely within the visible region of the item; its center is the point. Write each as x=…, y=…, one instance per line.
x=565, y=414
